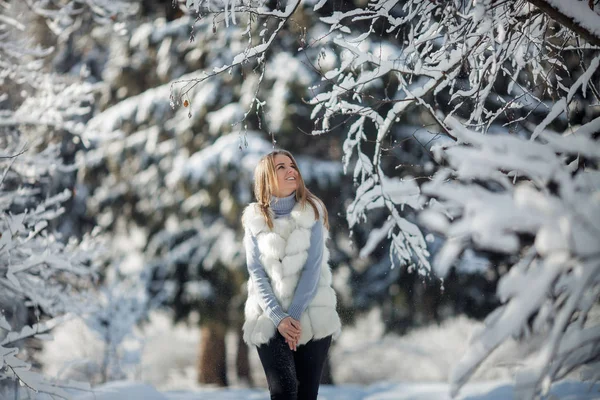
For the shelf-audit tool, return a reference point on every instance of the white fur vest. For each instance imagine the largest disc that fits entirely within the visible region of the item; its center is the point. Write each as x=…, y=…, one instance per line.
x=283, y=253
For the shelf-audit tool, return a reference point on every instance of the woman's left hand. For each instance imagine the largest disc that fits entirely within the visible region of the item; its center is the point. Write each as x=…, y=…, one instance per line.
x=293, y=344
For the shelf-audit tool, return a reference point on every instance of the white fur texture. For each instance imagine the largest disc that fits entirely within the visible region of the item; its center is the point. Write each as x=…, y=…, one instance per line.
x=283, y=253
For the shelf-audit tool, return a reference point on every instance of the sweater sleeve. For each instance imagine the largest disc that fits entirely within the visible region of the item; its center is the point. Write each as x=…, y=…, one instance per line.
x=309, y=279
x=266, y=298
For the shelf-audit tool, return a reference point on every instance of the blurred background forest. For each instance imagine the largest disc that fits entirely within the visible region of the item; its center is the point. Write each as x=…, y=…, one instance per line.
x=86, y=113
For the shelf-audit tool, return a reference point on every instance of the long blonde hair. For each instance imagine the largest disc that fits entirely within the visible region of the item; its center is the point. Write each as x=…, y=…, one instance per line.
x=265, y=180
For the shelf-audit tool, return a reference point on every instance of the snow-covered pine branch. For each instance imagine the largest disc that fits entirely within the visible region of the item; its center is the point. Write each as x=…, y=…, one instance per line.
x=66, y=17
x=549, y=219
x=37, y=270
x=32, y=32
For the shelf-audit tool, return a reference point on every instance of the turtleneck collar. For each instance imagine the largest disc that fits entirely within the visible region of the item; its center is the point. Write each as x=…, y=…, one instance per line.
x=283, y=205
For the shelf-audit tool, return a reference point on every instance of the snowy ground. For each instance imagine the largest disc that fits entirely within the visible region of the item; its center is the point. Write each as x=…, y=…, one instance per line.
x=362, y=355
x=383, y=391
x=365, y=365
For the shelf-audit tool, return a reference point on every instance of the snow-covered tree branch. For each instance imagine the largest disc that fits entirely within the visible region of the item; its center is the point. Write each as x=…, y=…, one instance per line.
x=47, y=264
x=574, y=15
x=37, y=271
x=549, y=219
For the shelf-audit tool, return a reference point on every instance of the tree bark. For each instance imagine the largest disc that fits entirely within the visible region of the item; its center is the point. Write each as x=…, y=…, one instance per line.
x=212, y=364
x=567, y=21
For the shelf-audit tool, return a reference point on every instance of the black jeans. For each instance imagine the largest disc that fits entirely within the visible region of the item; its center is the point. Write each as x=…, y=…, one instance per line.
x=293, y=375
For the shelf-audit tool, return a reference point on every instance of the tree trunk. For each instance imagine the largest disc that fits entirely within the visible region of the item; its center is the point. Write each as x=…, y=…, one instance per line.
x=212, y=365
x=242, y=361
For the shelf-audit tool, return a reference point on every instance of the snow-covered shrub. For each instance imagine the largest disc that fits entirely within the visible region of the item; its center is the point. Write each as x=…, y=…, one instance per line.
x=104, y=344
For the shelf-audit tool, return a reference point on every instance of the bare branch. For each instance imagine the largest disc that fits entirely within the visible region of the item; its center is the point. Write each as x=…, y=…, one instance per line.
x=243, y=57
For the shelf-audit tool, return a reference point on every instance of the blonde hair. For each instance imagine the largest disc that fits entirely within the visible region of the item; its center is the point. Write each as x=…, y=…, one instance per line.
x=265, y=181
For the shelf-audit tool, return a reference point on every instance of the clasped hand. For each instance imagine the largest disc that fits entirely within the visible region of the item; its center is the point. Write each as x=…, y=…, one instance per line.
x=291, y=330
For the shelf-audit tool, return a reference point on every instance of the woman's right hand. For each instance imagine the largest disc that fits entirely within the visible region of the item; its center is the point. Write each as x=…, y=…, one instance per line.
x=290, y=330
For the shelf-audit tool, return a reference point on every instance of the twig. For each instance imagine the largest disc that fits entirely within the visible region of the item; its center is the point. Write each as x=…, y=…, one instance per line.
x=13, y=158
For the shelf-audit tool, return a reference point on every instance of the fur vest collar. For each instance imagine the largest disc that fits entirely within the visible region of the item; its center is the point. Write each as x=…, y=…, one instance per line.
x=283, y=253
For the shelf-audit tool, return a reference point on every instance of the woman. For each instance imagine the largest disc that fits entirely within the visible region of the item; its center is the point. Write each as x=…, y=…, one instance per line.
x=290, y=312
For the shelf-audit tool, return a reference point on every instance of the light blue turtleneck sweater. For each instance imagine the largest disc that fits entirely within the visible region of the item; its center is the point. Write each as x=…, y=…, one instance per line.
x=309, y=278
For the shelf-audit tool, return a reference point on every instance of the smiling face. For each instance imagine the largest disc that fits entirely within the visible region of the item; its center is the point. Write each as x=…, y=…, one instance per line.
x=287, y=175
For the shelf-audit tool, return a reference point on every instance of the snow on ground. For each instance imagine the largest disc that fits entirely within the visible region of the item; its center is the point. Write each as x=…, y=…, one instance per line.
x=362, y=355
x=366, y=364
x=380, y=391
